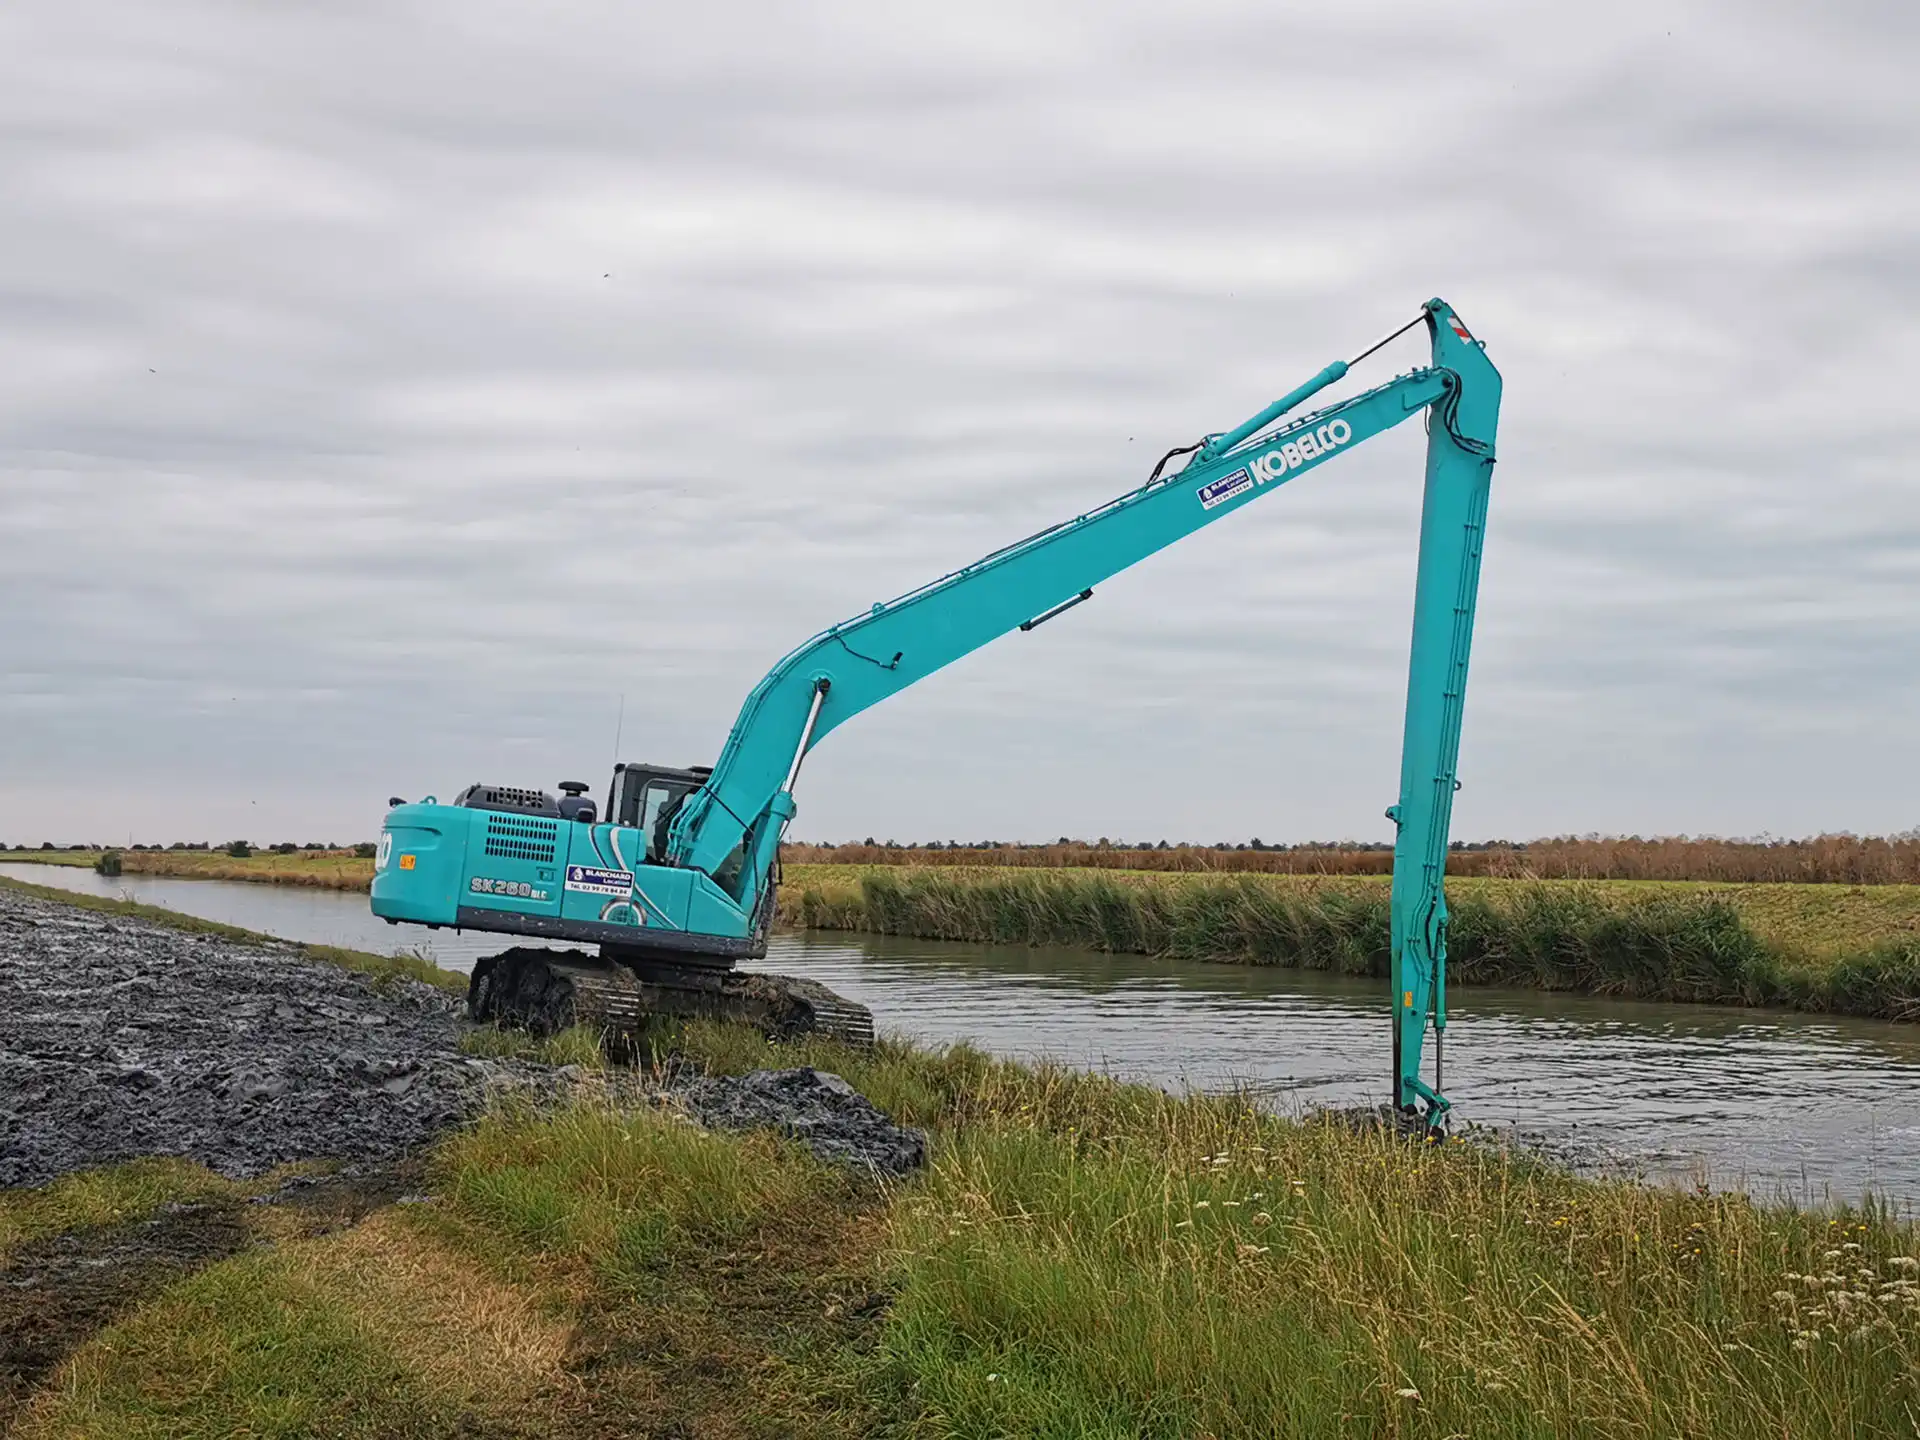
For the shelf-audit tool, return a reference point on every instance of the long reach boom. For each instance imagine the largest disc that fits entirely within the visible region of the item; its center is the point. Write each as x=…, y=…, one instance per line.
x=693, y=877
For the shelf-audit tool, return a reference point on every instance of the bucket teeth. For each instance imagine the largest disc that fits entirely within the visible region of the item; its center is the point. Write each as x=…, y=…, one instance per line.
x=547, y=991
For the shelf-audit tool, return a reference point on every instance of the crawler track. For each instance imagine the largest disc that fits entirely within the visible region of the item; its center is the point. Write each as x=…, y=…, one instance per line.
x=550, y=990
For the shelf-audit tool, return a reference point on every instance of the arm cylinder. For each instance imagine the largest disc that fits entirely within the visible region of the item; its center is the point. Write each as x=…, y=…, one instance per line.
x=1220, y=444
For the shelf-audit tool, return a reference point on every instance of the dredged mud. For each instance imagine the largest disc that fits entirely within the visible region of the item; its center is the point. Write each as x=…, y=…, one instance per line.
x=820, y=1110
x=121, y=1038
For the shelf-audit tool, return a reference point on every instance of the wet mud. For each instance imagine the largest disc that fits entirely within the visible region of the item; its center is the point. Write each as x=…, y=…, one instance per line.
x=121, y=1038
x=820, y=1110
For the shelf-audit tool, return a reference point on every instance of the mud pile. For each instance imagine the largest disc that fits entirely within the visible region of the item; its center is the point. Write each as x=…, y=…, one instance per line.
x=121, y=1038
x=821, y=1111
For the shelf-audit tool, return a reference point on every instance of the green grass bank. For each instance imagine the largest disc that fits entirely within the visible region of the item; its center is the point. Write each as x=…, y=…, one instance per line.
x=1082, y=1258
x=1841, y=949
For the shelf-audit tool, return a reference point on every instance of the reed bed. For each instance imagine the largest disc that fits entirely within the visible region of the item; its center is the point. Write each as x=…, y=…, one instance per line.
x=1647, y=942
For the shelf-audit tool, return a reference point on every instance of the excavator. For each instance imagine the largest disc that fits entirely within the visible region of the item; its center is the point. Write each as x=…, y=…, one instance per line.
x=673, y=881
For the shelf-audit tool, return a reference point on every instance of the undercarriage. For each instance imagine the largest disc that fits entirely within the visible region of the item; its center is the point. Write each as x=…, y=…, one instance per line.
x=546, y=991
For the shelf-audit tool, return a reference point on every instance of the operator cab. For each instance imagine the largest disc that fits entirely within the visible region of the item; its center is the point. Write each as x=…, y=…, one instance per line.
x=642, y=797
x=646, y=797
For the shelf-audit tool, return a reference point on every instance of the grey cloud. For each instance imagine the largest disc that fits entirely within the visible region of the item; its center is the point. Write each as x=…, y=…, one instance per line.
x=393, y=388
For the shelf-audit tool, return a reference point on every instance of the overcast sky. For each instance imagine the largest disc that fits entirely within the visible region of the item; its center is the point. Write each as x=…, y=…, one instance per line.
x=390, y=388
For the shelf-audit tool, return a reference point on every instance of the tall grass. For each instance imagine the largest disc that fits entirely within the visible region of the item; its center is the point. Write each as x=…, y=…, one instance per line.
x=1224, y=1274
x=1820, y=859
x=1656, y=945
x=1088, y=1257
x=622, y=1190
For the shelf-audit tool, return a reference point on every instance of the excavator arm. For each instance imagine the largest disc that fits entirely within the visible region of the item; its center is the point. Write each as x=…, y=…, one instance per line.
x=732, y=825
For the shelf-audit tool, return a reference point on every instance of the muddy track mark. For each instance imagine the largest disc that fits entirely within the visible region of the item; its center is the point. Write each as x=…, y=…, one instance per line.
x=57, y=1293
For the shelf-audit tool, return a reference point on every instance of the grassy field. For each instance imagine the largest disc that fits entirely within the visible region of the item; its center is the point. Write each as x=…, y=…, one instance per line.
x=1818, y=859
x=1083, y=1258
x=324, y=869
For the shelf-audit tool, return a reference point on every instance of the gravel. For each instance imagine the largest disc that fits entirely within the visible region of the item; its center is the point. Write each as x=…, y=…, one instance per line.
x=122, y=1038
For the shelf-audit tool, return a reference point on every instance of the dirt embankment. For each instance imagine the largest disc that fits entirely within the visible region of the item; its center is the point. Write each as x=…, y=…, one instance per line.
x=122, y=1038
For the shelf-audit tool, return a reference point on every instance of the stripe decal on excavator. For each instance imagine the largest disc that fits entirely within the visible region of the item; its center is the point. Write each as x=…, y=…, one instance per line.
x=652, y=912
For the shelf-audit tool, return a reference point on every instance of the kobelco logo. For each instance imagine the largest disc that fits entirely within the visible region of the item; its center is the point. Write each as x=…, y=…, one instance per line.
x=1307, y=445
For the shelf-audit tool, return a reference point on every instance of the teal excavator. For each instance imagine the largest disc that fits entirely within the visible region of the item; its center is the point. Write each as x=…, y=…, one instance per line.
x=673, y=882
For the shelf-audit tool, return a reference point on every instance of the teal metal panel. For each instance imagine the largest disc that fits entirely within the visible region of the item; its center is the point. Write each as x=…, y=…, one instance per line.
x=514, y=862
x=420, y=864
x=607, y=881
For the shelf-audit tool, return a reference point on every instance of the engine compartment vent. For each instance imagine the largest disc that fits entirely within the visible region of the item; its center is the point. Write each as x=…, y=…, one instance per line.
x=511, y=837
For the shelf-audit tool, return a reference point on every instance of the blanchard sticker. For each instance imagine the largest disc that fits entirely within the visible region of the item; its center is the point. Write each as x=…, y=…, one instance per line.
x=599, y=882
x=1218, y=492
